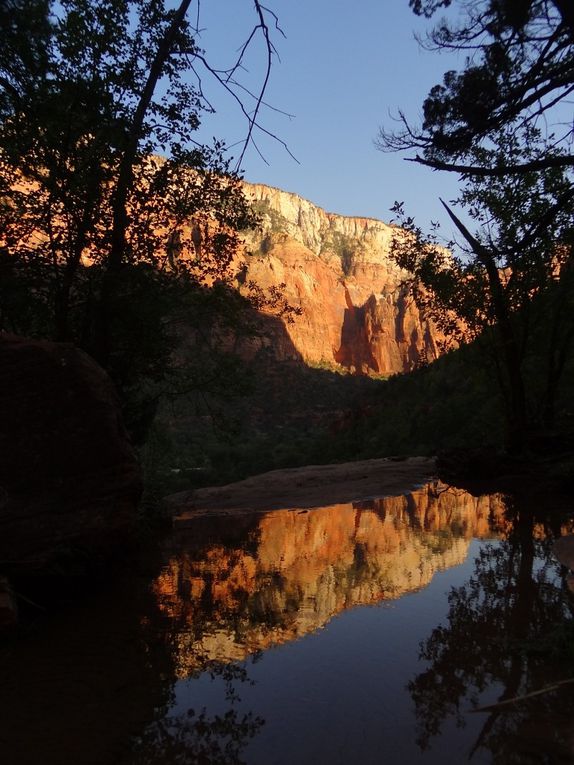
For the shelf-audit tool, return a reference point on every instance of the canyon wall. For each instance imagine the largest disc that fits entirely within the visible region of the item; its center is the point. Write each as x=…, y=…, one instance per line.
x=354, y=311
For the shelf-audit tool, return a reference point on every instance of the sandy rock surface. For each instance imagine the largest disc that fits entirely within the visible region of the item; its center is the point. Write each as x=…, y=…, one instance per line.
x=306, y=487
x=355, y=312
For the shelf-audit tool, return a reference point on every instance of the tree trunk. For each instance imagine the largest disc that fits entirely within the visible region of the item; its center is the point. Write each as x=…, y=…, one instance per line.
x=124, y=183
x=516, y=414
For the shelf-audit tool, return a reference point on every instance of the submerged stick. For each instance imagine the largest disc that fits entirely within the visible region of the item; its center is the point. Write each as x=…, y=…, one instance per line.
x=516, y=699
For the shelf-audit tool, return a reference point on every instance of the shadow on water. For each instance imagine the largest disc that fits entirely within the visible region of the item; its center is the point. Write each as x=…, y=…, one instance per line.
x=194, y=736
x=84, y=681
x=250, y=640
x=78, y=681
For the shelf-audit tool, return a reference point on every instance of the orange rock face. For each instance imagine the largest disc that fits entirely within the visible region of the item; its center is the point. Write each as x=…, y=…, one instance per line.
x=355, y=311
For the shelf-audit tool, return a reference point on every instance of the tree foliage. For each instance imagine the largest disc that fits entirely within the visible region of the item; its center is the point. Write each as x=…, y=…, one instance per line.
x=519, y=69
x=510, y=285
x=103, y=242
x=503, y=122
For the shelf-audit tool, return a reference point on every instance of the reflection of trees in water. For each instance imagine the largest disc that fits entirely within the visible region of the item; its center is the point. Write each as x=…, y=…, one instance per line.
x=514, y=596
x=197, y=738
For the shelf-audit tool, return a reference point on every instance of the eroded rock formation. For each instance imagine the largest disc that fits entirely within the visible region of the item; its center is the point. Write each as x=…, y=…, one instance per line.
x=355, y=313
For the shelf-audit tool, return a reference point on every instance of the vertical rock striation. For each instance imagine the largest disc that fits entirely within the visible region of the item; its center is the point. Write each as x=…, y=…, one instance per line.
x=355, y=311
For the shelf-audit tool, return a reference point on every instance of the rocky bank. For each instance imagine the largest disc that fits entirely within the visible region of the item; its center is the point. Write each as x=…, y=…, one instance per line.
x=69, y=478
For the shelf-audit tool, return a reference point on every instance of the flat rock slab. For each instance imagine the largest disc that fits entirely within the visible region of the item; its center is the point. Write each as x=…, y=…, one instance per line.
x=305, y=487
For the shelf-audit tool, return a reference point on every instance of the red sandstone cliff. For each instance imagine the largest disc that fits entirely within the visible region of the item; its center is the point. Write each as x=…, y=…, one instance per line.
x=337, y=270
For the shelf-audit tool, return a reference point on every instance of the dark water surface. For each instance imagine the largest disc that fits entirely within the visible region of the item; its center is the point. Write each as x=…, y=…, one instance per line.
x=357, y=633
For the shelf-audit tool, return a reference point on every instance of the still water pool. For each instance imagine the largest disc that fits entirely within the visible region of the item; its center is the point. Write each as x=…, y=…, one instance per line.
x=367, y=632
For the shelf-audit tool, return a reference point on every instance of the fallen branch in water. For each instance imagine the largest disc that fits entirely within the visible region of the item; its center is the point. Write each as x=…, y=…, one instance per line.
x=516, y=699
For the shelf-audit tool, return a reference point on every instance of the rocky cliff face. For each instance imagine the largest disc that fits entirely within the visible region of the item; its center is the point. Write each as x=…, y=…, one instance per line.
x=354, y=311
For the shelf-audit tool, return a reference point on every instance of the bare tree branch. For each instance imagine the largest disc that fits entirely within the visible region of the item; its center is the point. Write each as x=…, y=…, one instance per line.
x=228, y=80
x=496, y=172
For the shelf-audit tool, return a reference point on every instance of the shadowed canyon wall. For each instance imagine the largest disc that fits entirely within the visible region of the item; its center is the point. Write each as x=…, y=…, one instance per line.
x=292, y=571
x=354, y=311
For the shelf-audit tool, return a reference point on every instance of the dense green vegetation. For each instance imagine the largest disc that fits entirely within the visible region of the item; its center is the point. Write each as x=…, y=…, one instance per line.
x=453, y=404
x=271, y=219
x=343, y=246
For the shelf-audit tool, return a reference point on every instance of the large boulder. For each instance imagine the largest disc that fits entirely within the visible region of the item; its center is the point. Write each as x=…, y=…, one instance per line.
x=69, y=478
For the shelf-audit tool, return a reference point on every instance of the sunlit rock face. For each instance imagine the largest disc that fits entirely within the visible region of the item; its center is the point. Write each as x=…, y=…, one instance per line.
x=293, y=570
x=355, y=313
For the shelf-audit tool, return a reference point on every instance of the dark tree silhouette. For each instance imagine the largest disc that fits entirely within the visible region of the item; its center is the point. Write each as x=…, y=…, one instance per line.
x=519, y=70
x=509, y=286
x=96, y=230
x=495, y=626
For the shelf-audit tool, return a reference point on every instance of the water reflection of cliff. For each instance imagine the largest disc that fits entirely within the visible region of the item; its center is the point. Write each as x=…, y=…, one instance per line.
x=290, y=571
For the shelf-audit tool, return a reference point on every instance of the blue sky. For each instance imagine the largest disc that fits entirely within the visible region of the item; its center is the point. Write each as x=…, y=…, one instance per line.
x=343, y=69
